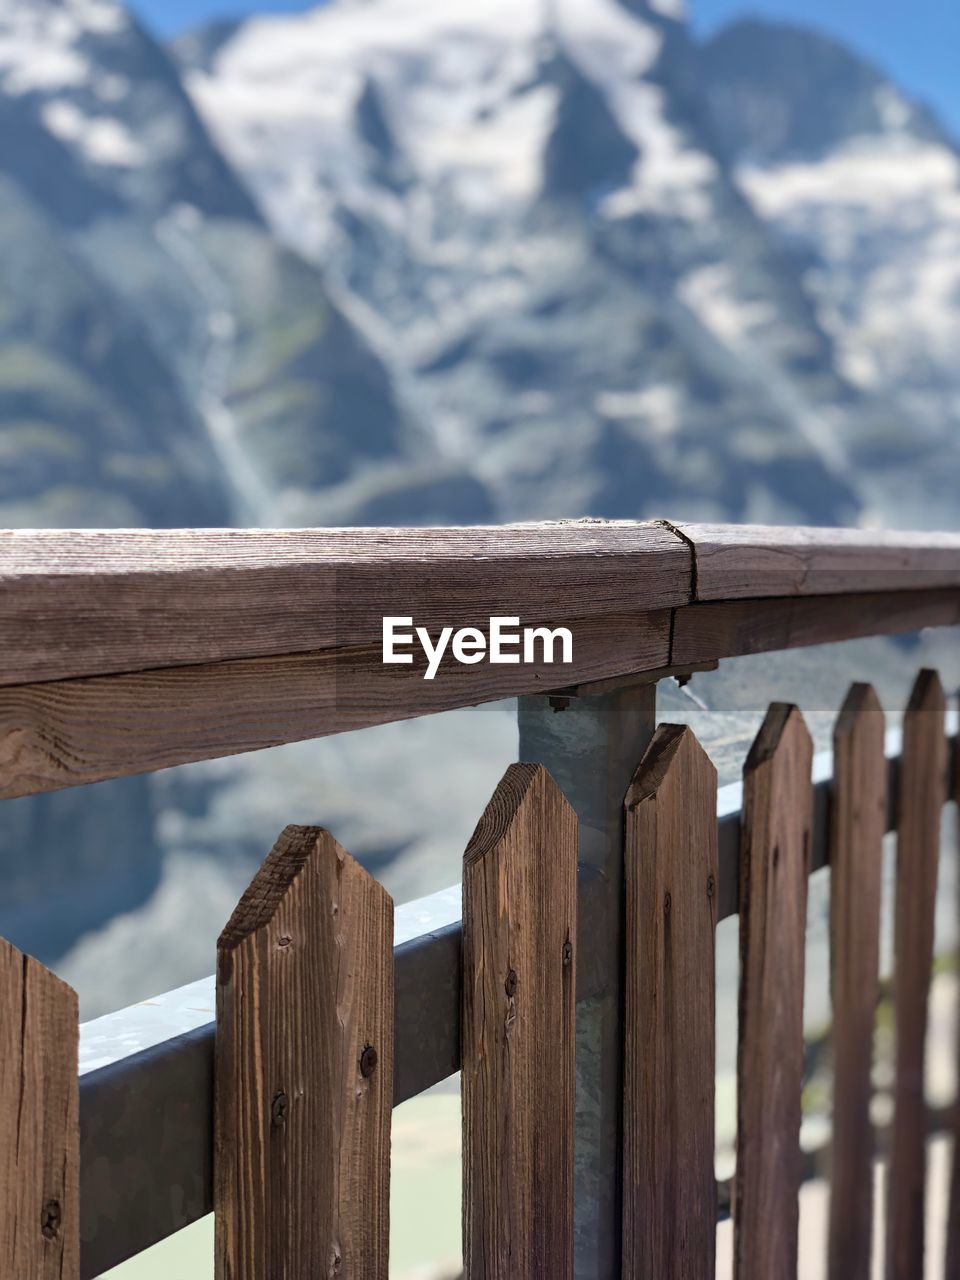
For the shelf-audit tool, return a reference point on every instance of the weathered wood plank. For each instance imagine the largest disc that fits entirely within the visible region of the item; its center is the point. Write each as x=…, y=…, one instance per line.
x=519, y=939
x=65, y=733
x=669, y=1191
x=304, y=1069
x=132, y=600
x=727, y=629
x=921, y=789
x=39, y=1122
x=755, y=560
x=858, y=822
x=775, y=856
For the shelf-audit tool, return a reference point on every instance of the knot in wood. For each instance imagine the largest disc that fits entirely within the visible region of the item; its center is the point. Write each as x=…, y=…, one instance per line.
x=711, y=886
x=50, y=1220
x=368, y=1061
x=667, y=904
x=278, y=1111
x=567, y=952
x=510, y=986
x=285, y=941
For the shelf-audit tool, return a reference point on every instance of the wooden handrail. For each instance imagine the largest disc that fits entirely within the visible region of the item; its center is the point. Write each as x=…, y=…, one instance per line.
x=95, y=602
x=132, y=650
x=135, y=600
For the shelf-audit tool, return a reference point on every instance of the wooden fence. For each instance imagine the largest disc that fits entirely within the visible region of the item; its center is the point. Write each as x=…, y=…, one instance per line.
x=305, y=1031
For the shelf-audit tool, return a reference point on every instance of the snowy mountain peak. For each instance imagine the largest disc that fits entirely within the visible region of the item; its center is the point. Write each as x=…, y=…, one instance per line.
x=780, y=91
x=517, y=198
x=85, y=74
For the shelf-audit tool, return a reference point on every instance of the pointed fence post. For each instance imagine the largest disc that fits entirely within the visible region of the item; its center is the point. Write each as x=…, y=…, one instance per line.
x=519, y=966
x=39, y=1122
x=922, y=788
x=858, y=814
x=774, y=866
x=669, y=1189
x=304, y=1069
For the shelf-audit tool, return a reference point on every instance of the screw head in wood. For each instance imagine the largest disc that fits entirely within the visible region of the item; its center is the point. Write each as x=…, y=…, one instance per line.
x=368, y=1061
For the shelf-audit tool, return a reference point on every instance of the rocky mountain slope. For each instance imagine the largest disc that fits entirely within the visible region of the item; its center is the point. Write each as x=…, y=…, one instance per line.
x=404, y=261
x=164, y=360
x=531, y=204
x=862, y=186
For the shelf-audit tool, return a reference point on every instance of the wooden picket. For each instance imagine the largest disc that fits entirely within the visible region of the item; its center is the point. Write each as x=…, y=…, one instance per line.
x=305, y=1031
x=858, y=823
x=519, y=967
x=39, y=1122
x=774, y=865
x=921, y=796
x=304, y=1069
x=670, y=1196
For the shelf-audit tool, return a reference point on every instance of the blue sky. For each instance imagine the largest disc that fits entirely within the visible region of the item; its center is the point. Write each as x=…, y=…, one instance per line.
x=918, y=42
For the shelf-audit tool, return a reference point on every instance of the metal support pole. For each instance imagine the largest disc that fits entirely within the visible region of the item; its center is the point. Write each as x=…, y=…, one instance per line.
x=592, y=746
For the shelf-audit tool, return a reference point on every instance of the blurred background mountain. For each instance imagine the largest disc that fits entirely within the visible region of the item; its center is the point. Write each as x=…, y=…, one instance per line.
x=409, y=262
x=420, y=261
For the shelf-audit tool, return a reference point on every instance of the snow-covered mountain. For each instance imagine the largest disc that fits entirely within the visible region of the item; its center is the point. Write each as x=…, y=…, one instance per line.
x=863, y=186
x=167, y=359
x=414, y=260
x=525, y=202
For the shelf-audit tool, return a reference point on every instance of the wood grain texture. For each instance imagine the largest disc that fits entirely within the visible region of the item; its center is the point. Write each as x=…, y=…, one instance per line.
x=775, y=857
x=727, y=629
x=65, y=733
x=39, y=1122
x=131, y=600
x=669, y=1191
x=921, y=792
x=857, y=825
x=519, y=943
x=304, y=1069
x=733, y=561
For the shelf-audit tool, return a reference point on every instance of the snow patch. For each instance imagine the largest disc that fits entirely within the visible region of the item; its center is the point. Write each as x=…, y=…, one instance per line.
x=675, y=9
x=39, y=39
x=882, y=215
x=894, y=172
x=712, y=294
x=31, y=64
x=102, y=139
x=658, y=407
